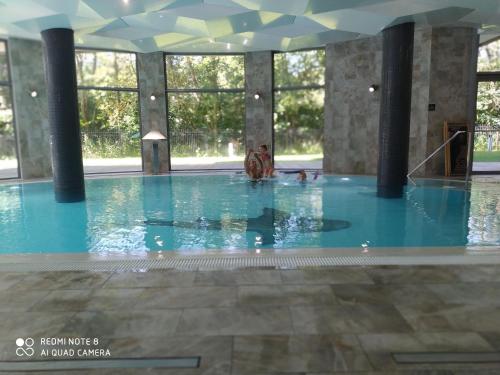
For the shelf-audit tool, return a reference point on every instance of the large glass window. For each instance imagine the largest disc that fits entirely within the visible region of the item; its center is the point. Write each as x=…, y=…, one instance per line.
x=8, y=156
x=487, y=128
x=109, y=111
x=299, y=79
x=489, y=57
x=4, y=67
x=206, y=111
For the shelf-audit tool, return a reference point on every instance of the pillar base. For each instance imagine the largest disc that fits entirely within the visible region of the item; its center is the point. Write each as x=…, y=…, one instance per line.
x=70, y=195
x=390, y=191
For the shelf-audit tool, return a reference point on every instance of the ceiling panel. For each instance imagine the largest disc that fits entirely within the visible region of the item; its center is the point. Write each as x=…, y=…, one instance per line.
x=235, y=25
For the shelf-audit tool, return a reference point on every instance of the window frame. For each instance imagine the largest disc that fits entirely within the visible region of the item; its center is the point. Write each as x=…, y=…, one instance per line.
x=200, y=91
x=482, y=76
x=487, y=75
x=117, y=89
x=110, y=88
x=290, y=88
x=8, y=84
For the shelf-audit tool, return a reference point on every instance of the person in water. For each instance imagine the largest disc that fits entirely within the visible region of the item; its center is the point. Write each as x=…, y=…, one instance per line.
x=302, y=176
x=266, y=161
x=253, y=165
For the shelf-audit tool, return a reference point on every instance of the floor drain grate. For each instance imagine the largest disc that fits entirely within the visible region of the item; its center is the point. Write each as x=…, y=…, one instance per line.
x=446, y=357
x=94, y=364
x=207, y=263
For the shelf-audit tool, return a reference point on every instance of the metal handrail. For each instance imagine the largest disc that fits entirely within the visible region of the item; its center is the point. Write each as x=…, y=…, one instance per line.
x=431, y=155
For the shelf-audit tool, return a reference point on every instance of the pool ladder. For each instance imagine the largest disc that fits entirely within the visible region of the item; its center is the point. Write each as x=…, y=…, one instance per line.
x=437, y=150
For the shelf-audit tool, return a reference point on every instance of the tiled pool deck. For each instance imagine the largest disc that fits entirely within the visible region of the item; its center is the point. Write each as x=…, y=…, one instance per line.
x=265, y=321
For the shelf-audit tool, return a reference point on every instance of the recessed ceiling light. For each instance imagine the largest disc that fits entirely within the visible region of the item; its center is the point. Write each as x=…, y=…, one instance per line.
x=228, y=46
x=211, y=40
x=125, y=2
x=245, y=42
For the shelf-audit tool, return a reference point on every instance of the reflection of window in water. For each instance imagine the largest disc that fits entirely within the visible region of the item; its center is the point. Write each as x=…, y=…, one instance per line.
x=10, y=201
x=484, y=223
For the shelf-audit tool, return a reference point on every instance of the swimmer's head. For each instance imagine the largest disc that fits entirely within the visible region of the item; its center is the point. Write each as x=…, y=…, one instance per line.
x=263, y=148
x=302, y=176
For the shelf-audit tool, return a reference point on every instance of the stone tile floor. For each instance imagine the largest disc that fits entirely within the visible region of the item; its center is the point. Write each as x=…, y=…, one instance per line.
x=263, y=321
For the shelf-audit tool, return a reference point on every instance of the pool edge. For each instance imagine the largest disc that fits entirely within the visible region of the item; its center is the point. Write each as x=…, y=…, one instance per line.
x=289, y=259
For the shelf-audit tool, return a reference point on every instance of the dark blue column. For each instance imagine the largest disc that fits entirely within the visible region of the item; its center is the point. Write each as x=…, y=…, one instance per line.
x=395, y=108
x=60, y=73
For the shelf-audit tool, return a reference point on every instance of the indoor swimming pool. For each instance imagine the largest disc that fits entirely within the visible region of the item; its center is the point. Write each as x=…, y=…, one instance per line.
x=196, y=213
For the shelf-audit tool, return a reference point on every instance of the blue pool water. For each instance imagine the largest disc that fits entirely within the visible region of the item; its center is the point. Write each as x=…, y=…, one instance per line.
x=135, y=215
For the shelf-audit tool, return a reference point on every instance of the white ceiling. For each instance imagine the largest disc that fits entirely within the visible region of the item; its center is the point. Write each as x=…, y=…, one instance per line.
x=234, y=25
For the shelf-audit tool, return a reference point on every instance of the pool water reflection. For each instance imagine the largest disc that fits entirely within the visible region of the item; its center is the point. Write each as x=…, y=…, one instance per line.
x=135, y=215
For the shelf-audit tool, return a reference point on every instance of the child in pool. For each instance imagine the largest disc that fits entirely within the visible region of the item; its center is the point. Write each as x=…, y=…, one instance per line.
x=253, y=165
x=266, y=161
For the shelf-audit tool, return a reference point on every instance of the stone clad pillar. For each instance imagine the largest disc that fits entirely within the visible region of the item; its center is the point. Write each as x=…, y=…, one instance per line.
x=60, y=73
x=444, y=75
x=259, y=112
x=30, y=113
x=351, y=110
x=152, y=81
x=452, y=86
x=395, y=108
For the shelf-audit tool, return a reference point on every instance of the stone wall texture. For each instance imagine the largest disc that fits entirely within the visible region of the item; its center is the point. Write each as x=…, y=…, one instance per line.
x=351, y=111
x=151, y=71
x=420, y=98
x=259, y=113
x=31, y=114
x=443, y=74
x=452, y=79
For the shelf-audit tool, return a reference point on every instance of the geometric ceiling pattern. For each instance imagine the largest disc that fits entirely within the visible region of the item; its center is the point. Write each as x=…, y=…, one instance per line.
x=235, y=25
